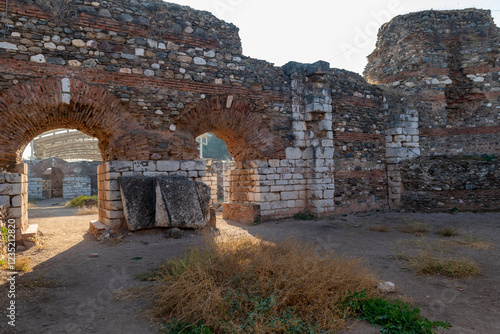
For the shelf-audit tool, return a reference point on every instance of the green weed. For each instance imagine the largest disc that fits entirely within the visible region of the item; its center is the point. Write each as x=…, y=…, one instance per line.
x=394, y=317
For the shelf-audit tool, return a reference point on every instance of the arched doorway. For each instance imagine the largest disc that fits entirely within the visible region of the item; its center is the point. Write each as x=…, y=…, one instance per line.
x=52, y=183
x=218, y=160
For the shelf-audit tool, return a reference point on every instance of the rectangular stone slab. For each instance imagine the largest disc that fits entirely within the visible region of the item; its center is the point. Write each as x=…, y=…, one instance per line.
x=181, y=202
x=139, y=201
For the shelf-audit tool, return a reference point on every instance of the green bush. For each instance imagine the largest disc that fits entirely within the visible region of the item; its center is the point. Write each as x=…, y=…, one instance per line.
x=82, y=201
x=394, y=317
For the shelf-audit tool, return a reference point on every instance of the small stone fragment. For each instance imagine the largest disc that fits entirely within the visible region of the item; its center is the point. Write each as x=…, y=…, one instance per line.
x=386, y=287
x=174, y=233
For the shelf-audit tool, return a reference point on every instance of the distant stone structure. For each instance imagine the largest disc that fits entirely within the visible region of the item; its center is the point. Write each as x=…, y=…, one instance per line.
x=146, y=78
x=442, y=143
x=56, y=178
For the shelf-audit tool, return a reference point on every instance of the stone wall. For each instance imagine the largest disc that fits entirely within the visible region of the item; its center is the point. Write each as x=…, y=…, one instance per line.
x=444, y=67
x=14, y=196
x=80, y=178
x=211, y=179
x=464, y=183
x=146, y=78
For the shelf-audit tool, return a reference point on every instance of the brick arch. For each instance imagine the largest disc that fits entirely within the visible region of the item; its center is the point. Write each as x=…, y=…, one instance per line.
x=34, y=107
x=233, y=120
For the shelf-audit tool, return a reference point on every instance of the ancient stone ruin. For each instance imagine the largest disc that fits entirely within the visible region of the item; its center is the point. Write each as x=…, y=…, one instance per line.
x=145, y=78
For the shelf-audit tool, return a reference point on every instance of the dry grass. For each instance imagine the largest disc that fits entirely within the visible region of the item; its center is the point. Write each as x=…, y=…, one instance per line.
x=413, y=226
x=93, y=210
x=424, y=263
x=379, y=228
x=246, y=285
x=21, y=264
x=39, y=282
x=448, y=231
x=473, y=241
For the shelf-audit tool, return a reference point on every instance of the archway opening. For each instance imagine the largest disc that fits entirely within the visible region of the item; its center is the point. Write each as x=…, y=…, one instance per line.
x=218, y=159
x=211, y=147
x=62, y=163
x=52, y=183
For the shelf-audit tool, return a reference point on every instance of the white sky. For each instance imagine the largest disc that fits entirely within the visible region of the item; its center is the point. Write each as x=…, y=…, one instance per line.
x=306, y=31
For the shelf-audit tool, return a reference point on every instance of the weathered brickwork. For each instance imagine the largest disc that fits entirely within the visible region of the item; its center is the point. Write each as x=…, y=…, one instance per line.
x=446, y=65
x=434, y=184
x=146, y=78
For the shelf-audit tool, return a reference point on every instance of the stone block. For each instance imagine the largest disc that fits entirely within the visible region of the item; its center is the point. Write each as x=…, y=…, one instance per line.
x=128, y=174
x=327, y=194
x=15, y=212
x=110, y=195
x=289, y=195
x=144, y=166
x=119, y=166
x=293, y=153
x=193, y=165
x=274, y=163
x=112, y=176
x=181, y=203
x=271, y=197
x=243, y=213
x=17, y=201
x=279, y=205
x=13, y=178
x=168, y=166
x=268, y=170
x=112, y=205
x=11, y=188
x=139, y=202
x=4, y=200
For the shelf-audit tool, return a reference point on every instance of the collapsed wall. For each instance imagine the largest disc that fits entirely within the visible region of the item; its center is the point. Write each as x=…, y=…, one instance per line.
x=448, y=63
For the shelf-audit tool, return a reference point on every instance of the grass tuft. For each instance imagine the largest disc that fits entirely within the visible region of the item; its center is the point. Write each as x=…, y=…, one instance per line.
x=21, y=264
x=413, y=226
x=85, y=211
x=424, y=263
x=379, y=228
x=473, y=241
x=449, y=231
x=246, y=285
x=83, y=201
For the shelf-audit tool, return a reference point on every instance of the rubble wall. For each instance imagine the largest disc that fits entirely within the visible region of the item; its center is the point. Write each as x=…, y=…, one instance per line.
x=447, y=64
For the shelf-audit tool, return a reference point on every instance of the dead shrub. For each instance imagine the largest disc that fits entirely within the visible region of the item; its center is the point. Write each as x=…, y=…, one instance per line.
x=247, y=285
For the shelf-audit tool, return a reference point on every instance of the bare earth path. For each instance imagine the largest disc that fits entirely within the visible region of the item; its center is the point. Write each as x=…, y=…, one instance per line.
x=70, y=292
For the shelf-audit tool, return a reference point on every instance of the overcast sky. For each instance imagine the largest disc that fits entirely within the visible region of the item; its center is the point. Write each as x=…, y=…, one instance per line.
x=340, y=32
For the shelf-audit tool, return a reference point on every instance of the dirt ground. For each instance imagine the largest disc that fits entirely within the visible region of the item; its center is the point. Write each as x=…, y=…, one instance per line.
x=70, y=292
